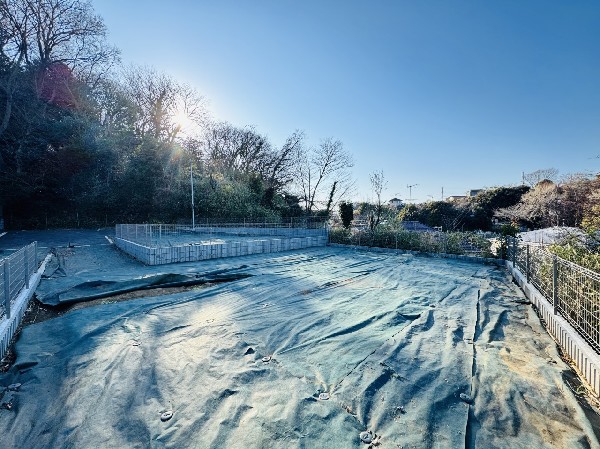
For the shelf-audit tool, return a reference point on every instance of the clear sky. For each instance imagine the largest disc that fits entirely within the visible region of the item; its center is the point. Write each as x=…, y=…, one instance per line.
x=454, y=94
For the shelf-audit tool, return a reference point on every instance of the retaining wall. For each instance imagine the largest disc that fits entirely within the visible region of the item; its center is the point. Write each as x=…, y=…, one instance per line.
x=195, y=252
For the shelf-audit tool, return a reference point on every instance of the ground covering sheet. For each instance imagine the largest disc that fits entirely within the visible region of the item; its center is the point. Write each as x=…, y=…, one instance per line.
x=307, y=349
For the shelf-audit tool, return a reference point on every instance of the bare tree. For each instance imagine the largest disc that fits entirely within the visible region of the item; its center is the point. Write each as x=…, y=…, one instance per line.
x=378, y=184
x=279, y=170
x=45, y=32
x=243, y=151
x=537, y=176
x=318, y=168
x=549, y=204
x=162, y=103
x=237, y=150
x=49, y=31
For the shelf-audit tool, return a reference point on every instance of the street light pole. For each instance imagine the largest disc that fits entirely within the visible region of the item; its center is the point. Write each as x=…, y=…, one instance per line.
x=410, y=190
x=192, y=184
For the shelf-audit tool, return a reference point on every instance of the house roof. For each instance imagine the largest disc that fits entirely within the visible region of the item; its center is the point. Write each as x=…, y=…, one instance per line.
x=551, y=235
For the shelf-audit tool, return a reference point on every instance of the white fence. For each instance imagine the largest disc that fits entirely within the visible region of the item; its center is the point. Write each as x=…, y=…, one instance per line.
x=16, y=272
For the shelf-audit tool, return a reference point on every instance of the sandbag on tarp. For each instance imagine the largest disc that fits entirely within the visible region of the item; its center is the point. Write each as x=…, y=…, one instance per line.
x=54, y=266
x=90, y=290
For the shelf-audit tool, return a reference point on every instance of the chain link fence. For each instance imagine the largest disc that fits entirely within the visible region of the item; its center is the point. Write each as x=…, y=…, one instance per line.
x=573, y=291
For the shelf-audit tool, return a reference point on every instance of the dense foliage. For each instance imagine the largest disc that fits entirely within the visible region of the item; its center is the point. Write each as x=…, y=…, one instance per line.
x=86, y=142
x=475, y=213
x=578, y=254
x=573, y=202
x=346, y=214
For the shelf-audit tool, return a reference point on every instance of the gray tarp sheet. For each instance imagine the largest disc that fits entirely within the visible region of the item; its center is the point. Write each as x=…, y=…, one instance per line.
x=90, y=290
x=393, y=339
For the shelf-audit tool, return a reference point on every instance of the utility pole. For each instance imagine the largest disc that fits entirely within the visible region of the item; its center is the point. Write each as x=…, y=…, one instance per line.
x=409, y=187
x=192, y=184
x=442, y=194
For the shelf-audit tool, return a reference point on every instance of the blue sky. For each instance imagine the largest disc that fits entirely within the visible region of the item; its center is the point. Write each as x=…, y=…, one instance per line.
x=453, y=94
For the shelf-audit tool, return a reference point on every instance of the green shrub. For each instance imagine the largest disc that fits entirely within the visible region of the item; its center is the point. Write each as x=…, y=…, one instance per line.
x=429, y=242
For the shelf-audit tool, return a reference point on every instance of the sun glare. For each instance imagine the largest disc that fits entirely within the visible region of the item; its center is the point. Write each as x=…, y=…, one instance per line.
x=182, y=120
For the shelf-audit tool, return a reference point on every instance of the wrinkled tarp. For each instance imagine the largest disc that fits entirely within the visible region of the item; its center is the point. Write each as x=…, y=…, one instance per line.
x=101, y=288
x=402, y=344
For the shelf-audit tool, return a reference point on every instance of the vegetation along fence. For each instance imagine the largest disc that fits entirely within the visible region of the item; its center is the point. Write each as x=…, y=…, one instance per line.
x=573, y=291
x=15, y=274
x=462, y=243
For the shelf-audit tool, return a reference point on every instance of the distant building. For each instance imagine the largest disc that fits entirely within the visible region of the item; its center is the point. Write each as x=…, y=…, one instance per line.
x=470, y=194
x=396, y=202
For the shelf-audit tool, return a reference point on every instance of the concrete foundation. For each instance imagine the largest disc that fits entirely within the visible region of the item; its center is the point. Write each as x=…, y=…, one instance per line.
x=194, y=252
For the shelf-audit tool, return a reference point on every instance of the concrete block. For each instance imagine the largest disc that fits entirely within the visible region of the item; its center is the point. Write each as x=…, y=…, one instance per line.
x=266, y=246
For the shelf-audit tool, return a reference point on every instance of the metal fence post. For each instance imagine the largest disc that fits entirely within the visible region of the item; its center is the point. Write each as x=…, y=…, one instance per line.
x=26, y=267
x=527, y=264
x=555, y=285
x=514, y=251
x=7, y=288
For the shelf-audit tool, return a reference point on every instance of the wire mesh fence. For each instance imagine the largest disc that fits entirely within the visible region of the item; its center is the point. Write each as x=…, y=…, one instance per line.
x=15, y=271
x=573, y=291
x=159, y=235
